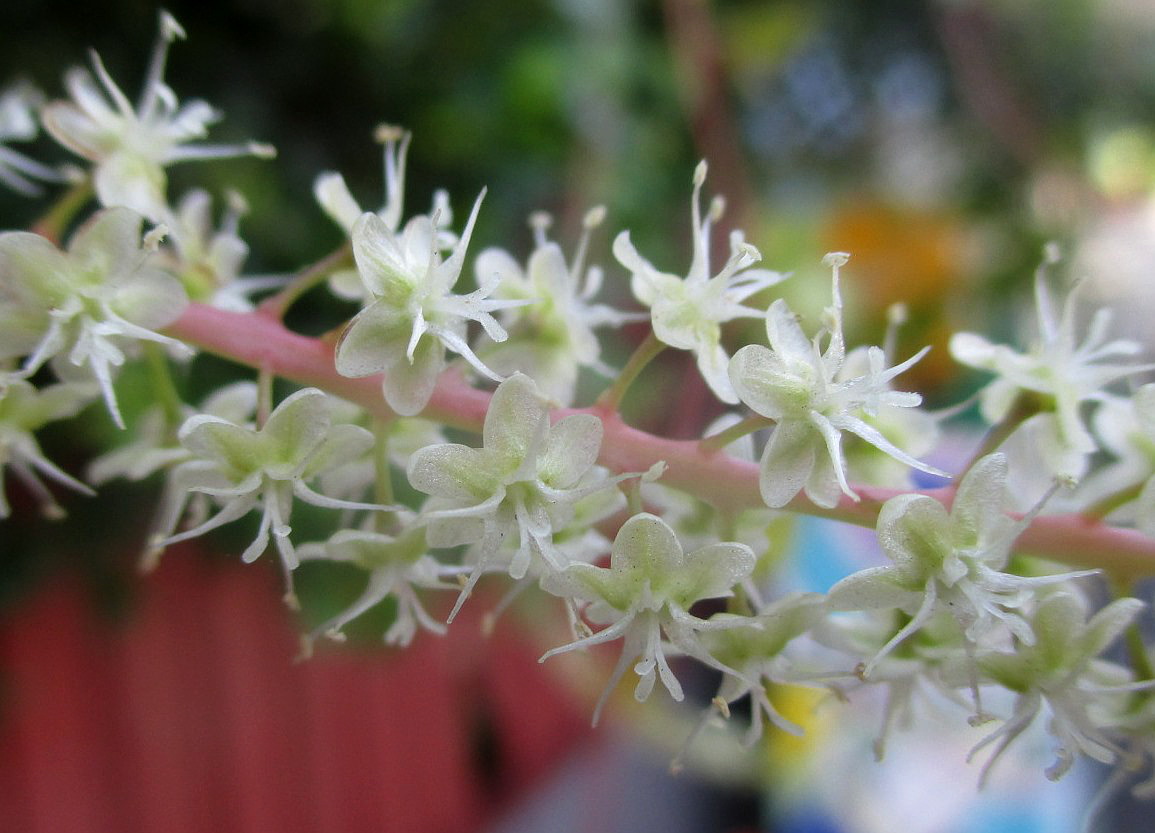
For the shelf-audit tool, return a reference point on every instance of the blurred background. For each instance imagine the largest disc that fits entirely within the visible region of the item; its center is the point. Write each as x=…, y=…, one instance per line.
x=940, y=143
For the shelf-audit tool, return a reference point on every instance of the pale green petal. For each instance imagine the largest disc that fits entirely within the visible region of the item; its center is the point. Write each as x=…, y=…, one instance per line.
x=785, y=333
x=645, y=550
x=753, y=372
x=453, y=532
x=381, y=261
x=295, y=429
x=497, y=262
x=236, y=402
x=709, y=573
x=1108, y=625
x=571, y=450
x=713, y=364
x=978, y=504
x=73, y=128
x=787, y=462
x=372, y=340
x=409, y=385
x=238, y=449
x=915, y=532
x=513, y=421
x=973, y=350
x=131, y=180
x=593, y=584
x=549, y=272
x=332, y=194
x=875, y=588
x=342, y=444
x=34, y=274
x=824, y=487
x=453, y=471
x=150, y=298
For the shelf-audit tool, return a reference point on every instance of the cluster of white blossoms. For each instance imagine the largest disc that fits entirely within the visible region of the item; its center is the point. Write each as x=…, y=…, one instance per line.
x=659, y=546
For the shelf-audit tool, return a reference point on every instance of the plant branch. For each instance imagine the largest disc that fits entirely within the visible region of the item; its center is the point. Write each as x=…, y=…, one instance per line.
x=723, y=481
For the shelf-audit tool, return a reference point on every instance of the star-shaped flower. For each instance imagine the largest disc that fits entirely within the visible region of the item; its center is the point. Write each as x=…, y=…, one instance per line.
x=522, y=486
x=755, y=649
x=412, y=315
x=207, y=257
x=552, y=337
x=82, y=306
x=688, y=312
x=25, y=409
x=131, y=146
x=804, y=388
x=1086, y=695
x=949, y=562
x=18, y=124
x=397, y=566
x=1059, y=369
x=335, y=199
x=245, y=468
x=644, y=597
x=1126, y=429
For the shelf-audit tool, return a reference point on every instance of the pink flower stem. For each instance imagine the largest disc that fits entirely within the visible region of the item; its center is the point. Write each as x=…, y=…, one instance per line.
x=260, y=341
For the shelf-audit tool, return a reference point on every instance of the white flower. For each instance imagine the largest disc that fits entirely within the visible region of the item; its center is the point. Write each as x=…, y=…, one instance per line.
x=412, y=316
x=25, y=409
x=335, y=199
x=1126, y=429
x=644, y=597
x=155, y=445
x=553, y=336
x=522, y=486
x=949, y=562
x=755, y=649
x=397, y=566
x=246, y=468
x=1062, y=372
x=688, y=313
x=18, y=124
x=1061, y=669
x=79, y=307
x=208, y=259
x=131, y=146
x=805, y=389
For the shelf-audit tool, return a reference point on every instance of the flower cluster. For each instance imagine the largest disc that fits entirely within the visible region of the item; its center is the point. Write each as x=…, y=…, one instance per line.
x=558, y=493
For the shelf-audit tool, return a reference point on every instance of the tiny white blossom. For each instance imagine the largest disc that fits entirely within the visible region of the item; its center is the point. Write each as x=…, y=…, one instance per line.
x=412, y=316
x=688, y=312
x=553, y=336
x=209, y=258
x=756, y=648
x=81, y=306
x=25, y=409
x=1063, y=372
x=18, y=124
x=805, y=389
x=264, y=468
x=131, y=146
x=1062, y=670
x=397, y=565
x=1126, y=429
x=949, y=562
x=334, y=197
x=644, y=597
x=522, y=486
x=155, y=445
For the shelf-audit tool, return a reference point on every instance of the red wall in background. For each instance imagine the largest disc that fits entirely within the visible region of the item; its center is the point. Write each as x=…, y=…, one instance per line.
x=191, y=716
